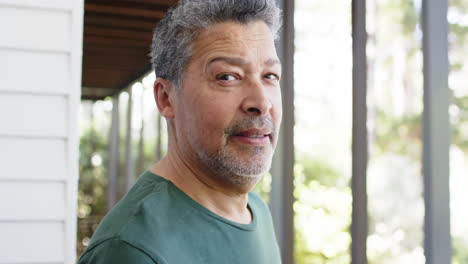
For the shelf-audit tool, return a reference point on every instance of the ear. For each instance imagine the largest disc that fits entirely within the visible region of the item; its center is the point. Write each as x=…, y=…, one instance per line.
x=163, y=92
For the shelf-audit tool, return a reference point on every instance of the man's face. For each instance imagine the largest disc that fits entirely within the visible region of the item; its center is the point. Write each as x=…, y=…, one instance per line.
x=228, y=111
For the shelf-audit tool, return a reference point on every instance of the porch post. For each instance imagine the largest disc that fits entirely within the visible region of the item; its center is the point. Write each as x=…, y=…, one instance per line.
x=436, y=133
x=281, y=197
x=113, y=154
x=359, y=222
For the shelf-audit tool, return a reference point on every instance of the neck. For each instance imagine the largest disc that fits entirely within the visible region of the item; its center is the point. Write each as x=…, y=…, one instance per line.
x=198, y=185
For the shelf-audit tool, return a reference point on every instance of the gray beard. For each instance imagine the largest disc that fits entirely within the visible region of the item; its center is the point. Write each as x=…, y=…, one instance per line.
x=228, y=167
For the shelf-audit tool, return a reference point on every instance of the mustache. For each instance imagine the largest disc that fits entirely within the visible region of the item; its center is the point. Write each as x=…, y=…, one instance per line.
x=251, y=122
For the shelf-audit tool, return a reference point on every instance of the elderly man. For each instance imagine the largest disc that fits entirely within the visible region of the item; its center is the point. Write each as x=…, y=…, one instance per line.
x=218, y=88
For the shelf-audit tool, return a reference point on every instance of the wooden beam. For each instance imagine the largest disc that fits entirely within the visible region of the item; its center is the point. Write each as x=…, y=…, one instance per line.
x=120, y=53
x=106, y=71
x=124, y=11
x=92, y=98
x=98, y=92
x=118, y=33
x=166, y=3
x=114, y=60
x=148, y=4
x=112, y=49
x=120, y=23
x=117, y=42
x=105, y=78
x=137, y=73
x=112, y=68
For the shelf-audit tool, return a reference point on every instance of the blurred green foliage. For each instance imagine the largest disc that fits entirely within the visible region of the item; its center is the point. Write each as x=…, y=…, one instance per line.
x=92, y=184
x=322, y=213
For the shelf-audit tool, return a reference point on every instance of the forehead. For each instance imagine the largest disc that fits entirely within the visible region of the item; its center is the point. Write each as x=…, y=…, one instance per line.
x=231, y=38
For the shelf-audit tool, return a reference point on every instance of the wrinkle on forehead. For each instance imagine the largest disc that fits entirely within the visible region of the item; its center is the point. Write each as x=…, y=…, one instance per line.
x=236, y=40
x=240, y=61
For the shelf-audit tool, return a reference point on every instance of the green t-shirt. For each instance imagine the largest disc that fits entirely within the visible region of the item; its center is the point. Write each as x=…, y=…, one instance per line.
x=158, y=223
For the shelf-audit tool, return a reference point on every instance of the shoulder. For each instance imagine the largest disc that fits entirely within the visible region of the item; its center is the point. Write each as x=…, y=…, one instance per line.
x=134, y=222
x=148, y=192
x=116, y=251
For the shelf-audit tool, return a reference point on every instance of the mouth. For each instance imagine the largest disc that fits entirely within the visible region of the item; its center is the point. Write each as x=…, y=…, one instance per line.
x=255, y=137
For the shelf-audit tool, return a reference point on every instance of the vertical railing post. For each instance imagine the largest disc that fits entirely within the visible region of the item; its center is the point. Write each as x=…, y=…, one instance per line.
x=359, y=224
x=158, y=150
x=128, y=143
x=141, y=142
x=281, y=196
x=436, y=133
x=113, y=170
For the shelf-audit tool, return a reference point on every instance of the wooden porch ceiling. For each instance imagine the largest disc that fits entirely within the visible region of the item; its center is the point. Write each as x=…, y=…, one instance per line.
x=116, y=43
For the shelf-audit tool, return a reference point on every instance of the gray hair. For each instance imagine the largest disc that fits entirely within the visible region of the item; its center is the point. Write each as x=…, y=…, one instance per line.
x=174, y=34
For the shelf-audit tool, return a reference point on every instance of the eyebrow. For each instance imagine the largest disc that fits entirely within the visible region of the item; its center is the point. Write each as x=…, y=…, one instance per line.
x=240, y=61
x=271, y=62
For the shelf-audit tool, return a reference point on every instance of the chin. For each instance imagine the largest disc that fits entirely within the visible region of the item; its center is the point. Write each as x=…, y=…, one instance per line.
x=239, y=170
x=247, y=175
x=243, y=184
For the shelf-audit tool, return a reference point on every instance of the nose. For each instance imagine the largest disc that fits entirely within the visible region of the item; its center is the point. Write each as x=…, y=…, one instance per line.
x=257, y=101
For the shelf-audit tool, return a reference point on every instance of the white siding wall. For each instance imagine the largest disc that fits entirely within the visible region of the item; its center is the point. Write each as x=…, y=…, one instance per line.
x=40, y=77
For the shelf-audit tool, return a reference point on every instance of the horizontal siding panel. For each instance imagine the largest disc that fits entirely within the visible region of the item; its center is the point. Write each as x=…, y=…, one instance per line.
x=52, y=33
x=35, y=263
x=32, y=242
x=32, y=201
x=29, y=115
x=46, y=159
x=44, y=4
x=36, y=72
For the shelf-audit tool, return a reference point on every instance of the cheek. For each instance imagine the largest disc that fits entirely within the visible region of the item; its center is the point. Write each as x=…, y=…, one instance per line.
x=208, y=118
x=214, y=121
x=277, y=107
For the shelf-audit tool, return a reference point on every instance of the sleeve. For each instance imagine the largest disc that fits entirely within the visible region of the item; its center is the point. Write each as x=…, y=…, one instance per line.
x=115, y=251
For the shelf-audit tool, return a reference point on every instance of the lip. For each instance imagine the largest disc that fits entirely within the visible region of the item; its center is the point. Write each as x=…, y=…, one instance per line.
x=254, y=137
x=255, y=132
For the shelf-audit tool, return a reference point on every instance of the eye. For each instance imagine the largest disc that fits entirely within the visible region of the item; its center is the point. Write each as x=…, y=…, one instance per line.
x=226, y=77
x=271, y=76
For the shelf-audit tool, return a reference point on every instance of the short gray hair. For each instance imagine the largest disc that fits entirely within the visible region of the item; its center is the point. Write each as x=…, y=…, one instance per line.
x=174, y=34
